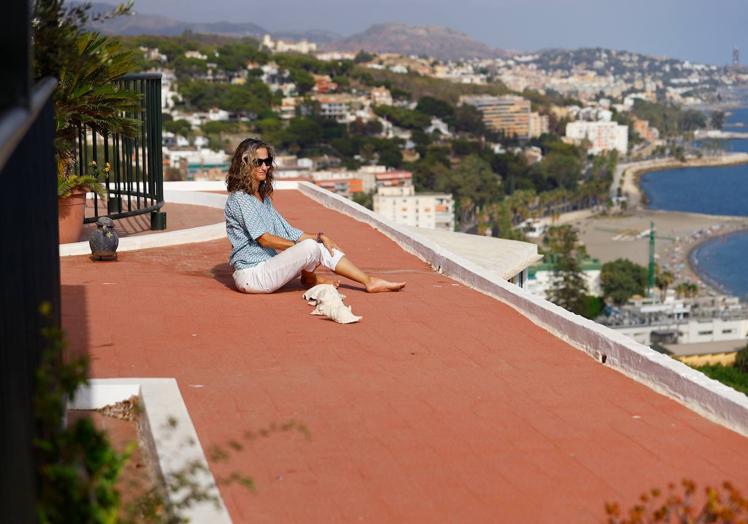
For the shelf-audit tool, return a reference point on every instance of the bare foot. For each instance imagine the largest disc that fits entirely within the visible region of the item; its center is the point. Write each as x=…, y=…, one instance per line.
x=378, y=285
x=311, y=279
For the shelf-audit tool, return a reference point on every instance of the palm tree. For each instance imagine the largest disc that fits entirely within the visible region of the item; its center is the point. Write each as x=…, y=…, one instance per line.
x=87, y=65
x=87, y=95
x=687, y=290
x=663, y=281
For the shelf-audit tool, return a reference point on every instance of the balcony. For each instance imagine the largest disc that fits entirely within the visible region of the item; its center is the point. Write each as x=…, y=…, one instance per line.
x=461, y=398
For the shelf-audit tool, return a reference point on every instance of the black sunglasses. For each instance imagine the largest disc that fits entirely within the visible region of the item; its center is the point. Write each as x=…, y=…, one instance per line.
x=259, y=161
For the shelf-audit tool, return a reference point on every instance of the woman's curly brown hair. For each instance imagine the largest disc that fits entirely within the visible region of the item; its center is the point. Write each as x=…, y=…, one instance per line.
x=239, y=177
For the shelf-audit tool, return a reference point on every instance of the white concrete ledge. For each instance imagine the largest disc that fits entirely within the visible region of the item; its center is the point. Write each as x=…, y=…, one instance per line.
x=173, y=437
x=691, y=388
x=193, y=193
x=167, y=238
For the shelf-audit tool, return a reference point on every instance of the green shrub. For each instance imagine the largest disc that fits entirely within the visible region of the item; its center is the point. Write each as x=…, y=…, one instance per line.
x=78, y=467
x=741, y=360
x=728, y=375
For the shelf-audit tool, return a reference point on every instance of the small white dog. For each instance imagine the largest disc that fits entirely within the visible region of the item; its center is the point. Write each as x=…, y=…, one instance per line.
x=328, y=302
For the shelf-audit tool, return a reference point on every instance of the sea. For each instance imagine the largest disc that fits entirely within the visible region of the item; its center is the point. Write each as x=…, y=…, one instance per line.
x=723, y=261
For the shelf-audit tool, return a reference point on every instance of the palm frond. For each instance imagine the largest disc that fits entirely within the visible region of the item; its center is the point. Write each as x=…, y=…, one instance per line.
x=67, y=184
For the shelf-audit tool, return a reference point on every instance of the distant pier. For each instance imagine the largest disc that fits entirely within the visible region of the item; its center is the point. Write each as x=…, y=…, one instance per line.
x=720, y=135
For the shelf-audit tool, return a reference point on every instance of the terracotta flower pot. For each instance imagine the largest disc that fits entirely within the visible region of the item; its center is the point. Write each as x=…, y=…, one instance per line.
x=70, y=212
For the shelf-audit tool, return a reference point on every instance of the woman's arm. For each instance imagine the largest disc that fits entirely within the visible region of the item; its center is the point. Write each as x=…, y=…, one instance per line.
x=280, y=243
x=275, y=242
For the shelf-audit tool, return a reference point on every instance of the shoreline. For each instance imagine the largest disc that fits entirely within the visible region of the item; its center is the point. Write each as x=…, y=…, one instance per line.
x=702, y=276
x=632, y=173
x=631, y=180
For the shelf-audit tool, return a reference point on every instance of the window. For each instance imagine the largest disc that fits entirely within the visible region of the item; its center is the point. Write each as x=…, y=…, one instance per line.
x=703, y=333
x=726, y=331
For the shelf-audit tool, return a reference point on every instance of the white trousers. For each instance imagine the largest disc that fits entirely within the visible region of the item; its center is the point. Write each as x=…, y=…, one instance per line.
x=275, y=273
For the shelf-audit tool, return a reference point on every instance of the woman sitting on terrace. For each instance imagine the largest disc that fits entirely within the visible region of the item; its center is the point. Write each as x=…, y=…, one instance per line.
x=267, y=251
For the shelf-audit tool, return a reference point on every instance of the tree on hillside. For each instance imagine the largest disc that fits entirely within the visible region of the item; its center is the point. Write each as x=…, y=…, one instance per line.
x=468, y=119
x=367, y=128
x=717, y=120
x=301, y=132
x=473, y=185
x=304, y=81
x=513, y=168
x=362, y=57
x=622, y=279
x=501, y=220
x=388, y=152
x=427, y=171
x=435, y=107
x=178, y=127
x=568, y=285
x=403, y=117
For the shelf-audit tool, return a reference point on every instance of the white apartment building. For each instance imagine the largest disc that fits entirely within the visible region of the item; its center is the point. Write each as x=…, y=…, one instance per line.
x=195, y=157
x=403, y=206
x=195, y=55
x=282, y=46
x=603, y=136
x=380, y=96
x=539, y=124
x=540, y=278
x=340, y=107
x=169, y=93
x=288, y=107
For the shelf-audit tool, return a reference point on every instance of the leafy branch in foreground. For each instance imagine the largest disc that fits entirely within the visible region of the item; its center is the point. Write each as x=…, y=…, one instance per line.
x=77, y=465
x=683, y=505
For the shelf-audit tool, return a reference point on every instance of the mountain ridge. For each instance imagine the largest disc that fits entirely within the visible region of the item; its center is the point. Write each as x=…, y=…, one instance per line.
x=434, y=41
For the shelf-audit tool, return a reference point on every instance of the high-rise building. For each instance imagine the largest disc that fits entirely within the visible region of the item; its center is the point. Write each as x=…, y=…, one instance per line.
x=507, y=114
x=735, y=56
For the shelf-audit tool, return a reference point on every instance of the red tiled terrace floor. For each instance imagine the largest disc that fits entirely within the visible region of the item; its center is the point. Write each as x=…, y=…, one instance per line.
x=442, y=405
x=178, y=216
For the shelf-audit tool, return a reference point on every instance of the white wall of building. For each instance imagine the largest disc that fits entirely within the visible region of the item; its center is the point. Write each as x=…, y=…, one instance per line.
x=603, y=136
x=541, y=283
x=693, y=331
x=403, y=206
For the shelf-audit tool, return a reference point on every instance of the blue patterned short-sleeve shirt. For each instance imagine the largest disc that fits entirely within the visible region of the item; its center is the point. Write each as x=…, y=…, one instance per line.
x=247, y=219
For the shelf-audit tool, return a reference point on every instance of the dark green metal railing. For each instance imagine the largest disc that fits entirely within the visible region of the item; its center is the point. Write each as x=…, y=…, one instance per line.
x=135, y=184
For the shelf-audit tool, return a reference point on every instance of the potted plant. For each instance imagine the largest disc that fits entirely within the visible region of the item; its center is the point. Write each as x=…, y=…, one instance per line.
x=71, y=200
x=87, y=98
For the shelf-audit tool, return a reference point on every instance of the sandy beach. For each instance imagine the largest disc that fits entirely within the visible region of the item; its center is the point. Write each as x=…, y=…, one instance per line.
x=676, y=234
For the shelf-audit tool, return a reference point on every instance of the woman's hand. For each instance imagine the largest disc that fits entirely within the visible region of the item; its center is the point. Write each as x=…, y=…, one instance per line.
x=329, y=243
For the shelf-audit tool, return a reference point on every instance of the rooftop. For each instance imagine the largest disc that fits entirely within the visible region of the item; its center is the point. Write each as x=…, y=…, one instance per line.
x=442, y=404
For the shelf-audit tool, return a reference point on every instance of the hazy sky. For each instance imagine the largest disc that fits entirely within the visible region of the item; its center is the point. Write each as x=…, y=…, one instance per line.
x=697, y=30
